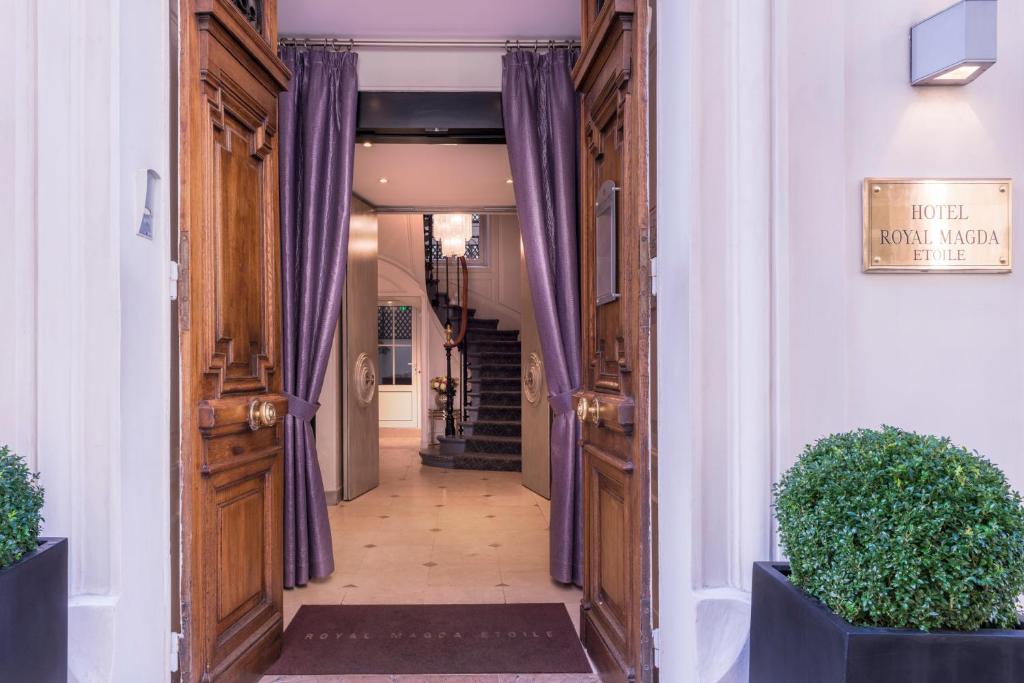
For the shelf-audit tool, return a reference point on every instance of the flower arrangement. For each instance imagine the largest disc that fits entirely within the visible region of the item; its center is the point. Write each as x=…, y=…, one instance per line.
x=440, y=385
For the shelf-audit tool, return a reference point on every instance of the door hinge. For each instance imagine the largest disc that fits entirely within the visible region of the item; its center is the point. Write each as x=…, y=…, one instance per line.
x=654, y=276
x=174, y=280
x=175, y=652
x=656, y=644
x=183, y=276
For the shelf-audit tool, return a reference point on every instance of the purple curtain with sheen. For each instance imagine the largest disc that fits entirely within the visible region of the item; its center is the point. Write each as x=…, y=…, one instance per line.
x=317, y=128
x=540, y=106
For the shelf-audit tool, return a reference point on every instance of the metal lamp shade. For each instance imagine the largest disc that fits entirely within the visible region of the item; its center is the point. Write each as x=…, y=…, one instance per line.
x=955, y=46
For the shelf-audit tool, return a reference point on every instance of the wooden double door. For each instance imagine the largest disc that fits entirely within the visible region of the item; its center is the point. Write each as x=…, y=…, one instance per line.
x=231, y=405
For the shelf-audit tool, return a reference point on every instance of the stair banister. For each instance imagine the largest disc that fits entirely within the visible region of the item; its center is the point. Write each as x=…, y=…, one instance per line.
x=450, y=343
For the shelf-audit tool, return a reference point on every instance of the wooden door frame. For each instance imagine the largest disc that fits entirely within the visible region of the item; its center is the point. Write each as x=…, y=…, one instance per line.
x=645, y=404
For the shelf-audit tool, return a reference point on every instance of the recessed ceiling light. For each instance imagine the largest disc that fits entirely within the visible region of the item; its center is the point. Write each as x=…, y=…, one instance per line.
x=383, y=181
x=508, y=182
x=367, y=144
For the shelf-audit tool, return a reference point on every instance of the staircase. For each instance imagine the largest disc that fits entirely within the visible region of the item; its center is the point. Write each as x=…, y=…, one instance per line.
x=493, y=432
x=492, y=428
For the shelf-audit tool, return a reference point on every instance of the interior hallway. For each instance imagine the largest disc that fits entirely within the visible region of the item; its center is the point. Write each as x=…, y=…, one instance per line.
x=429, y=535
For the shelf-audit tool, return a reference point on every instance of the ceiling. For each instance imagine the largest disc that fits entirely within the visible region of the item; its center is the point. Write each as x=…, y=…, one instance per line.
x=436, y=19
x=433, y=176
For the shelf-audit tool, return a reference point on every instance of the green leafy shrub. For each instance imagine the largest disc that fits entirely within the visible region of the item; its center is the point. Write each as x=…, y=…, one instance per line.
x=892, y=528
x=21, y=500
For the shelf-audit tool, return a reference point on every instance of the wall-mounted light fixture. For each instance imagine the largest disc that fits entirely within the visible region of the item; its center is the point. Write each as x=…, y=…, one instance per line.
x=955, y=46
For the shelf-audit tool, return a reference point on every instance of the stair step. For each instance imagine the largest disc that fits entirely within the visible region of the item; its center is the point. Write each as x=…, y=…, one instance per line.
x=498, y=383
x=496, y=357
x=479, y=370
x=513, y=428
x=494, y=462
x=494, y=444
x=487, y=335
x=493, y=412
x=497, y=397
x=495, y=406
x=493, y=345
x=483, y=324
x=486, y=372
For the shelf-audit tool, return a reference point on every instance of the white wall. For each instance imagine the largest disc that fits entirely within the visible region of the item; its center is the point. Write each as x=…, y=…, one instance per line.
x=84, y=361
x=401, y=278
x=935, y=353
x=494, y=289
x=436, y=70
x=771, y=116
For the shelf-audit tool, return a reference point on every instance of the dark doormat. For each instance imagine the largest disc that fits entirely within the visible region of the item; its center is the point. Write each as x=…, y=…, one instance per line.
x=431, y=639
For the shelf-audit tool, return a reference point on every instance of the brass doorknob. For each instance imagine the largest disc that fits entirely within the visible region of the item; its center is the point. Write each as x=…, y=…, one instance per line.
x=594, y=411
x=261, y=414
x=582, y=409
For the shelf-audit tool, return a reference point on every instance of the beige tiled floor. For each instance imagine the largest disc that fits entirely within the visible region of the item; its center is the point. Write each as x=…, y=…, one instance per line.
x=429, y=535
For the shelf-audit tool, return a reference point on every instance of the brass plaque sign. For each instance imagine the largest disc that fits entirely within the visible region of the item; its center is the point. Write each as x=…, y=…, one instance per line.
x=937, y=225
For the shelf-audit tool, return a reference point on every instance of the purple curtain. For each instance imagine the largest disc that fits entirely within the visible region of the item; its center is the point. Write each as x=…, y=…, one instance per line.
x=540, y=106
x=318, y=126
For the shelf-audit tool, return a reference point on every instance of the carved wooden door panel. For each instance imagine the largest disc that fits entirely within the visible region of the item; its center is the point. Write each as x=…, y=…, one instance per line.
x=614, y=402
x=229, y=331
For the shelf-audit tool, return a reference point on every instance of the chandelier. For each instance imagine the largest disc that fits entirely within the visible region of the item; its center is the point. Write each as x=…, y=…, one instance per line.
x=453, y=230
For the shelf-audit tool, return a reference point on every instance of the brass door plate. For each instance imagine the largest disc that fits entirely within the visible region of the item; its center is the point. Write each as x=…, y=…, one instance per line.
x=937, y=226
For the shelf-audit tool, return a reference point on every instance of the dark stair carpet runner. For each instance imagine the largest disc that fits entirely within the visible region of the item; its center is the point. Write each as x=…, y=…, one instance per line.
x=493, y=428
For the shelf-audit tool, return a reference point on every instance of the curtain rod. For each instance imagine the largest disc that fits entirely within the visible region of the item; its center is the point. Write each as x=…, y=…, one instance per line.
x=351, y=43
x=483, y=210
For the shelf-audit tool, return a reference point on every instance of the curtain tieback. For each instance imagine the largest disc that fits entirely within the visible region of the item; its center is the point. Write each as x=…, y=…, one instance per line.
x=562, y=403
x=301, y=409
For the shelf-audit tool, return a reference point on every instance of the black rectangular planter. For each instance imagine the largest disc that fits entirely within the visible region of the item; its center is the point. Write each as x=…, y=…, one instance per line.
x=796, y=639
x=34, y=615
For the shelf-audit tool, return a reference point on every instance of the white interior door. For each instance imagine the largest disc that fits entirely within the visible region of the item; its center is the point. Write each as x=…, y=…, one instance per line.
x=397, y=353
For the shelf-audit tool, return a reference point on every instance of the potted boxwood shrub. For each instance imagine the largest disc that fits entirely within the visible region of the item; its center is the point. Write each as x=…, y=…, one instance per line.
x=906, y=565
x=33, y=582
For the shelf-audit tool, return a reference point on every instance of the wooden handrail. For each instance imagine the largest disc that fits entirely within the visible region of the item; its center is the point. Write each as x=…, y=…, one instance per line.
x=464, y=317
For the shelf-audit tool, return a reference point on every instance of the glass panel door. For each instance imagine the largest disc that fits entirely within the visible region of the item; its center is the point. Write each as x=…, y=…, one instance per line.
x=396, y=353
